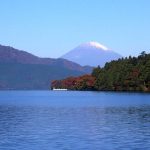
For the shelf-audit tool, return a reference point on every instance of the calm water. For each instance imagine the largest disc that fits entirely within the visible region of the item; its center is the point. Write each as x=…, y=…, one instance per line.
x=48, y=120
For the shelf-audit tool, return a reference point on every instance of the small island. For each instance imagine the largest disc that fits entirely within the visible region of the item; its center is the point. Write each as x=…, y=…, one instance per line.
x=125, y=74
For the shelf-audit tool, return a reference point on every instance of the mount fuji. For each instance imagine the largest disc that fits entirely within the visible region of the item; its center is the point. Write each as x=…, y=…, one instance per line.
x=91, y=54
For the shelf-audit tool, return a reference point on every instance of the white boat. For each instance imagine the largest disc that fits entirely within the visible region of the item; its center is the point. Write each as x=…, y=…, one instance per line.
x=59, y=89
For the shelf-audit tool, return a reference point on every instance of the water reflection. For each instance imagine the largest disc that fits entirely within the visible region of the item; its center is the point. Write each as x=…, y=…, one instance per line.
x=35, y=127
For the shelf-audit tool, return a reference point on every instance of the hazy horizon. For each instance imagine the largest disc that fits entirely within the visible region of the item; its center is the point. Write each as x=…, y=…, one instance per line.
x=51, y=28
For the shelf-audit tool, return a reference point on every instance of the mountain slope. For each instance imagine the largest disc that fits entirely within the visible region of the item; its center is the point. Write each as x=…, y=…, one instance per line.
x=22, y=70
x=31, y=76
x=11, y=55
x=92, y=54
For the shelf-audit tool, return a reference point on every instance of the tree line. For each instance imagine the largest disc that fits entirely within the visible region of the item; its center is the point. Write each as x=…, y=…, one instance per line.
x=124, y=74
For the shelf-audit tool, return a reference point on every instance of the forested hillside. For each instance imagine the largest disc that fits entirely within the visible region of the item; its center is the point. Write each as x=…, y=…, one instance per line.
x=125, y=74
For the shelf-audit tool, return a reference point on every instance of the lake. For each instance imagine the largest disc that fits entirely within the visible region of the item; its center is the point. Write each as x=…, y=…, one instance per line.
x=69, y=120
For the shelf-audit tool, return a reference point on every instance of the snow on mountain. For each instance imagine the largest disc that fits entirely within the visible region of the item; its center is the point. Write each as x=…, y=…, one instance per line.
x=94, y=44
x=91, y=53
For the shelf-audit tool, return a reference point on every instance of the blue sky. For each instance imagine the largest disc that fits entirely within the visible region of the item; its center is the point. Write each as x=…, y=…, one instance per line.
x=50, y=28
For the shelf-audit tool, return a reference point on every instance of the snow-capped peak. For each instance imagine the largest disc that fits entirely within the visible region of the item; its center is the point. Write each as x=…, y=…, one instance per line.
x=97, y=45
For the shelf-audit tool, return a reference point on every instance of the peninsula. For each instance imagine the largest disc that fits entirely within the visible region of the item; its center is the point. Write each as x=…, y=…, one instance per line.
x=124, y=74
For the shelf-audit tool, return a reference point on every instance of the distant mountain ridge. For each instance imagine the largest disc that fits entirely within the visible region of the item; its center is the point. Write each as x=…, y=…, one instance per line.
x=22, y=70
x=11, y=55
x=91, y=53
